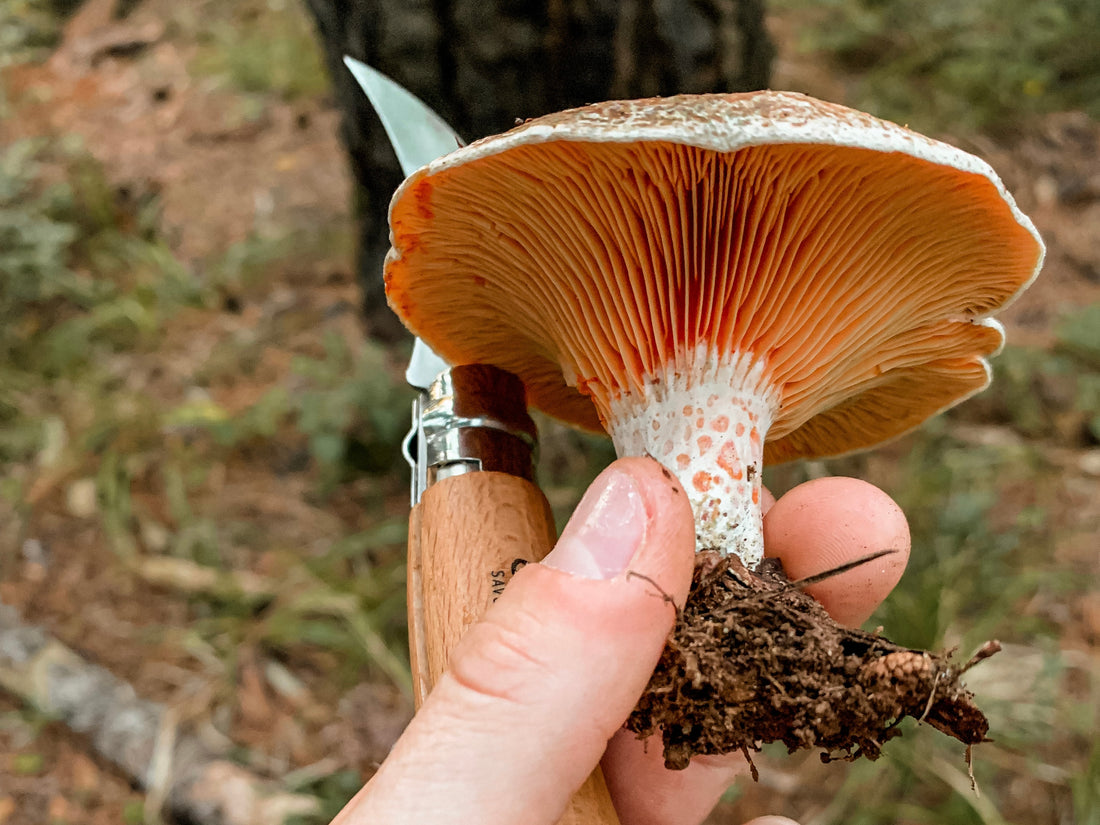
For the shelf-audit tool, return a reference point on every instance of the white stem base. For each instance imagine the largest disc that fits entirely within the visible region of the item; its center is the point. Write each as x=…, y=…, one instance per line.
x=707, y=425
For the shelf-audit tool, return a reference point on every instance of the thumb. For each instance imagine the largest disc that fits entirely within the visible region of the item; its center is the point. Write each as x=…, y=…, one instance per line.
x=535, y=690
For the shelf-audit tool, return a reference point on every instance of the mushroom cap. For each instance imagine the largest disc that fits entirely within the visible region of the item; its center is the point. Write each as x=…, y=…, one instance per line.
x=855, y=262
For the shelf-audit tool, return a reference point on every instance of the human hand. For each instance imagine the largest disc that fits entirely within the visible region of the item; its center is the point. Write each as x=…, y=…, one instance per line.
x=537, y=691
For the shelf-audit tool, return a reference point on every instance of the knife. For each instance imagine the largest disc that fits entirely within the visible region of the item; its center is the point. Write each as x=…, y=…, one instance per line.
x=477, y=515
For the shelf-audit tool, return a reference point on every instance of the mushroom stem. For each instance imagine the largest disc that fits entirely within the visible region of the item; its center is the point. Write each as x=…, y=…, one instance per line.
x=706, y=420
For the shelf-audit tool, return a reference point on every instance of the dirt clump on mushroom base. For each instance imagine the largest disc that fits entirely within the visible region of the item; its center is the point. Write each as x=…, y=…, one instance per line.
x=753, y=659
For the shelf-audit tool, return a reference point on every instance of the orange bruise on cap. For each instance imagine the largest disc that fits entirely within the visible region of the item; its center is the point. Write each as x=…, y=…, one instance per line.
x=718, y=281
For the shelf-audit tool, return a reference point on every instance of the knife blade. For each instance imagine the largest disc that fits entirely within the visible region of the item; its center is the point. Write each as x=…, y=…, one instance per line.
x=418, y=136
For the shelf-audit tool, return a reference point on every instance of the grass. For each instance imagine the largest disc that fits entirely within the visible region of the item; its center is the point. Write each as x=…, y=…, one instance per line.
x=987, y=518
x=77, y=349
x=975, y=64
x=262, y=49
x=973, y=576
x=61, y=328
x=984, y=532
x=28, y=28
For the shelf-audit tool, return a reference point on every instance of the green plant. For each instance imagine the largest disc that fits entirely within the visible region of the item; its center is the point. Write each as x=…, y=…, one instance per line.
x=60, y=222
x=972, y=564
x=1079, y=335
x=981, y=556
x=332, y=791
x=944, y=63
x=349, y=406
x=35, y=243
x=263, y=48
x=53, y=311
x=1081, y=716
x=1079, y=339
x=28, y=28
x=1054, y=394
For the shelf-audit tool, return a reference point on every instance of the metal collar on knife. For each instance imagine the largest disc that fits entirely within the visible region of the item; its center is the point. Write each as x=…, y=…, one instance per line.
x=471, y=418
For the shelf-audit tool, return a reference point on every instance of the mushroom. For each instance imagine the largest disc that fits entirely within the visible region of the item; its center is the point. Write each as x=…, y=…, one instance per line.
x=718, y=281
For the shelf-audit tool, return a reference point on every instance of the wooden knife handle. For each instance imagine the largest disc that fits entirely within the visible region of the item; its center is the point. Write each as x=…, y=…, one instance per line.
x=467, y=537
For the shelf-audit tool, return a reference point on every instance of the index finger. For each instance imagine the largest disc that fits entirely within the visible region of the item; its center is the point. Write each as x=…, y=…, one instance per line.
x=825, y=523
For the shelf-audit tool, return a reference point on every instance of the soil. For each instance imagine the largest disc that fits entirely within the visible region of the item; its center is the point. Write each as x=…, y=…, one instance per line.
x=753, y=659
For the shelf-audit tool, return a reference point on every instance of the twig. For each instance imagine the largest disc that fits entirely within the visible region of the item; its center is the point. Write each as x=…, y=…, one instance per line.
x=836, y=571
x=137, y=735
x=801, y=584
x=970, y=770
x=990, y=648
x=932, y=700
x=665, y=597
x=752, y=765
x=194, y=579
x=312, y=596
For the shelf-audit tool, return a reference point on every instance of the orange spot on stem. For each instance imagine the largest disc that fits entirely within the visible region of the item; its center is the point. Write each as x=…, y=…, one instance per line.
x=729, y=461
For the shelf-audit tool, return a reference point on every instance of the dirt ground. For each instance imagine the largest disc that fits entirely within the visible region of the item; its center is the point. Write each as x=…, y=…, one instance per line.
x=126, y=88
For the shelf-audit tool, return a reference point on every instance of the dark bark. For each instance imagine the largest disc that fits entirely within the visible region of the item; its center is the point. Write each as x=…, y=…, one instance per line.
x=483, y=63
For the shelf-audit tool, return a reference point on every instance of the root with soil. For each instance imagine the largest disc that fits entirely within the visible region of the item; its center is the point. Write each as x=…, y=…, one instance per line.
x=753, y=659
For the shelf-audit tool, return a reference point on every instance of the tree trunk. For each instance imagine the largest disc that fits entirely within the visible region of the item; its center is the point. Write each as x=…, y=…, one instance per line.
x=484, y=63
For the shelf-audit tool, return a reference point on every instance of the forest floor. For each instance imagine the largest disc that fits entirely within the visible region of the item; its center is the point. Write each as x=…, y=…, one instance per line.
x=211, y=437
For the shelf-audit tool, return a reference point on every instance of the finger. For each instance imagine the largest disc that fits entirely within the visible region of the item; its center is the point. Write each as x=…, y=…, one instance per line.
x=536, y=689
x=767, y=500
x=817, y=525
x=647, y=793
x=827, y=522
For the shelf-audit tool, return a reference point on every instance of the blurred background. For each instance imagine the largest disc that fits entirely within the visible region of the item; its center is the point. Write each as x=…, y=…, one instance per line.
x=202, y=503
